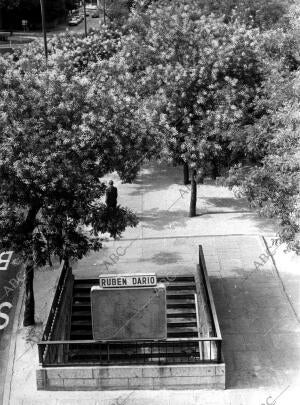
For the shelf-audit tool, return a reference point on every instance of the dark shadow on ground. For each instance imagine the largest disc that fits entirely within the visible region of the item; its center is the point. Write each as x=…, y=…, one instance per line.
x=163, y=258
x=232, y=203
x=208, y=212
x=258, y=329
x=162, y=219
x=265, y=224
x=155, y=177
x=165, y=219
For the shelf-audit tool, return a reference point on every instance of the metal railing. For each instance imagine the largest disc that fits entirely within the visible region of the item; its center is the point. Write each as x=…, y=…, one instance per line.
x=207, y=287
x=63, y=353
x=50, y=328
x=90, y=352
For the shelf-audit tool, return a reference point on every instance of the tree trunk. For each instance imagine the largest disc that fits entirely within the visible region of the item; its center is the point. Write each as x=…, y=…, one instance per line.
x=186, y=179
x=26, y=229
x=193, y=194
x=215, y=171
x=29, y=295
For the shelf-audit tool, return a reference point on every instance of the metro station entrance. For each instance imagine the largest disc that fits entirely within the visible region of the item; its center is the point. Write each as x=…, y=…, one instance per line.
x=192, y=339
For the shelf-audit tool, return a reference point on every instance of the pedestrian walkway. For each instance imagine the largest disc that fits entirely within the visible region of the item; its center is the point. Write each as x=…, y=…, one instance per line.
x=162, y=203
x=257, y=317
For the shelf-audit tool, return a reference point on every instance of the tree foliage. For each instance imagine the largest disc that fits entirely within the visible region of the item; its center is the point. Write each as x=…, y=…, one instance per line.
x=54, y=149
x=272, y=183
x=57, y=140
x=264, y=14
x=221, y=83
x=207, y=74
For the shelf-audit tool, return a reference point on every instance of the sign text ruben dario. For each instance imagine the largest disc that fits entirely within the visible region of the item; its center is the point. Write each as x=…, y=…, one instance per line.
x=127, y=280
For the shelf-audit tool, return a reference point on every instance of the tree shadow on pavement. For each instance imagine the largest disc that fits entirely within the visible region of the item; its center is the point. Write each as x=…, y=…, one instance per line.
x=266, y=225
x=156, y=177
x=163, y=258
x=231, y=203
x=161, y=219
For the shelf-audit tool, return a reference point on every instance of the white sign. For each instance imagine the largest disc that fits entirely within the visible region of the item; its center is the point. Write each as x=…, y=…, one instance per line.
x=5, y=260
x=127, y=280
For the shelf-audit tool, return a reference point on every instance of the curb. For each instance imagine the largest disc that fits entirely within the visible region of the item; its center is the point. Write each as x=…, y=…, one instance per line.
x=280, y=280
x=13, y=340
x=187, y=237
x=12, y=348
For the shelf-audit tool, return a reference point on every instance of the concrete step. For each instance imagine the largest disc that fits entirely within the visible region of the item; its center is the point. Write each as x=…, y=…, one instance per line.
x=180, y=294
x=78, y=333
x=81, y=305
x=184, y=303
x=178, y=312
x=81, y=314
x=181, y=322
x=127, y=354
x=82, y=295
x=181, y=286
x=181, y=334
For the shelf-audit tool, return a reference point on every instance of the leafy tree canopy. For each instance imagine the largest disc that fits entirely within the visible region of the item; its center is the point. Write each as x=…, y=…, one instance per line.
x=264, y=14
x=207, y=73
x=57, y=141
x=272, y=183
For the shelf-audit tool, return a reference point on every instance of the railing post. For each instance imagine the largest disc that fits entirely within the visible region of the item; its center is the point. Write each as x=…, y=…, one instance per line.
x=40, y=351
x=219, y=351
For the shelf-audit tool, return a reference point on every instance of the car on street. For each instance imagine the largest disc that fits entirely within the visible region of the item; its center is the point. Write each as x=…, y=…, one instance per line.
x=95, y=14
x=75, y=20
x=91, y=7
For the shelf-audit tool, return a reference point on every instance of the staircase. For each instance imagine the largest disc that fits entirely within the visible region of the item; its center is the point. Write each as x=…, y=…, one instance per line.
x=181, y=323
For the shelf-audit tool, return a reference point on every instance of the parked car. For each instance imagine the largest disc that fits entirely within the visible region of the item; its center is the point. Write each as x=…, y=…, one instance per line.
x=95, y=14
x=75, y=20
x=91, y=7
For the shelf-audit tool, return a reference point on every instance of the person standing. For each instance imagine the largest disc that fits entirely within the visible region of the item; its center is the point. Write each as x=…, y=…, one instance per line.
x=111, y=195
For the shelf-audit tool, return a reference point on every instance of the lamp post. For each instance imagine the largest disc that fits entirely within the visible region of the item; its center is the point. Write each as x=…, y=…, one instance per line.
x=98, y=9
x=84, y=13
x=44, y=27
x=104, y=11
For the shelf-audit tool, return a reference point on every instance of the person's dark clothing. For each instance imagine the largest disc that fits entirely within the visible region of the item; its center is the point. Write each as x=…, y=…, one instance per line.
x=111, y=196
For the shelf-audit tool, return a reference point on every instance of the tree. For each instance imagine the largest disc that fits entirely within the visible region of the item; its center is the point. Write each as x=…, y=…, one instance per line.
x=56, y=142
x=72, y=53
x=207, y=74
x=271, y=182
x=264, y=14
x=76, y=53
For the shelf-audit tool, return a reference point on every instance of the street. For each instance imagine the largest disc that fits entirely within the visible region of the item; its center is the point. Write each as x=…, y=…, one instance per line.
x=91, y=23
x=9, y=283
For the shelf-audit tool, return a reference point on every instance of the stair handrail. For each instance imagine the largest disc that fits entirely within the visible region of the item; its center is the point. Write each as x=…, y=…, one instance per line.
x=59, y=290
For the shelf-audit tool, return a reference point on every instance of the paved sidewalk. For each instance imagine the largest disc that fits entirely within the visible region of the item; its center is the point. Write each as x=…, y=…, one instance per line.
x=162, y=203
x=257, y=317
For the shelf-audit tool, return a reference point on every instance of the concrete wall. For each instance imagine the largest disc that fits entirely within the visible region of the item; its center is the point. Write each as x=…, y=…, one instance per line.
x=194, y=376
